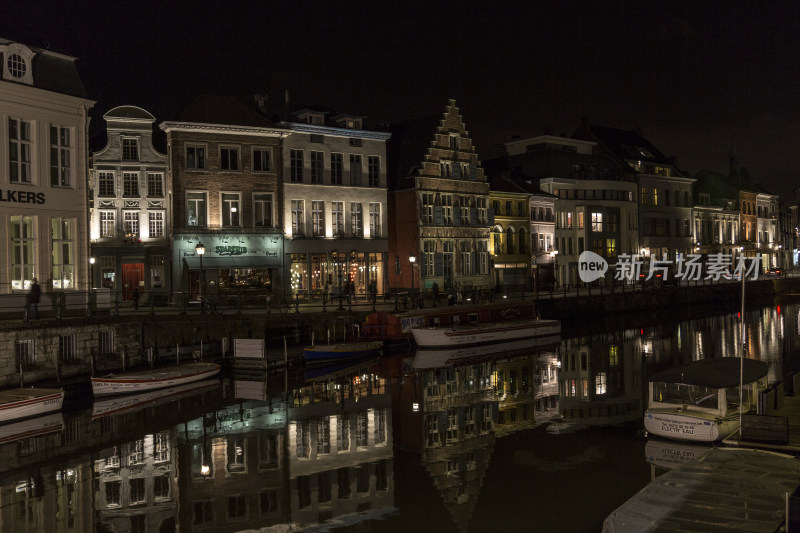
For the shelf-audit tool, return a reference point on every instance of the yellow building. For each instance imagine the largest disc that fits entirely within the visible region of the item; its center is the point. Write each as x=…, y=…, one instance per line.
x=510, y=244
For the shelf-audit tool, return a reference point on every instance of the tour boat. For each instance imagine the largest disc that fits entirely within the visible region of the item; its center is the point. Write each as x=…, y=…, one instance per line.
x=157, y=378
x=700, y=401
x=149, y=398
x=28, y=402
x=436, y=358
x=322, y=353
x=476, y=334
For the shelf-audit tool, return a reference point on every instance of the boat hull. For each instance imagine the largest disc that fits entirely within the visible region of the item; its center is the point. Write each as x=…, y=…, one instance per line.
x=688, y=427
x=16, y=404
x=153, y=379
x=460, y=336
x=339, y=352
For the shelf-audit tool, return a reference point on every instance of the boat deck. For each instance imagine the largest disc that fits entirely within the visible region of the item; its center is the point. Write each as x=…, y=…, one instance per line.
x=15, y=395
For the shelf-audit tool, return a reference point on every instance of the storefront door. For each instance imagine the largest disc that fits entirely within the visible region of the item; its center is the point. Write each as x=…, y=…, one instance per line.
x=132, y=274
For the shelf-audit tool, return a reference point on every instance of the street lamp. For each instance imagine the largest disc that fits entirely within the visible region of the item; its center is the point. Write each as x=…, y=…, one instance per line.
x=201, y=251
x=412, y=259
x=91, y=272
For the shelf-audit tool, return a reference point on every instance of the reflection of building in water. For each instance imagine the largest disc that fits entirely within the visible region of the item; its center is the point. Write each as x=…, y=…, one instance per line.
x=340, y=450
x=135, y=488
x=448, y=415
x=601, y=379
x=233, y=468
x=527, y=391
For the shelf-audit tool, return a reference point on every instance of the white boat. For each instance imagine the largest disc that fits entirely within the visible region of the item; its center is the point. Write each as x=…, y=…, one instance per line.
x=28, y=402
x=31, y=427
x=139, y=400
x=727, y=489
x=428, y=358
x=157, y=378
x=476, y=334
x=700, y=401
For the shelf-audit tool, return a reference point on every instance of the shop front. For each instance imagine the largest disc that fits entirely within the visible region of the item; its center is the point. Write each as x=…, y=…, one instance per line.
x=313, y=275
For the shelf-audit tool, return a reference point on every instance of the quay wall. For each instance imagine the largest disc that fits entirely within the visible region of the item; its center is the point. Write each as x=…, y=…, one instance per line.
x=72, y=349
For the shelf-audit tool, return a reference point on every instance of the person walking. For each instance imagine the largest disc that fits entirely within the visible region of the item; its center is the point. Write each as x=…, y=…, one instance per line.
x=35, y=295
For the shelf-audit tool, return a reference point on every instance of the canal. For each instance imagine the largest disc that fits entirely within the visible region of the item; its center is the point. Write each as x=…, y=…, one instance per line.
x=543, y=437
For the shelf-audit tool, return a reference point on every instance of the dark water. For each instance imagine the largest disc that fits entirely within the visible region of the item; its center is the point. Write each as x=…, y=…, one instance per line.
x=508, y=438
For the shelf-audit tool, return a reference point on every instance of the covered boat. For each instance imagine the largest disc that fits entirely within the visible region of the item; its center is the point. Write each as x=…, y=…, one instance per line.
x=27, y=402
x=157, y=378
x=700, y=401
x=477, y=334
x=329, y=353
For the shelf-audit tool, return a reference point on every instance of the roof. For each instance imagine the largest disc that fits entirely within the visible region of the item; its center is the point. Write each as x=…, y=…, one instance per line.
x=213, y=109
x=627, y=144
x=129, y=112
x=727, y=489
x=51, y=71
x=504, y=183
x=715, y=373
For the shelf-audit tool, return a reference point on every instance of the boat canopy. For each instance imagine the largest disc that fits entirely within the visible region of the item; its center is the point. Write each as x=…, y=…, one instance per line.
x=715, y=373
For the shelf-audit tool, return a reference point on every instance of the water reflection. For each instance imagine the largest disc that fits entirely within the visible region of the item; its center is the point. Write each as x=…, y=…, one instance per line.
x=320, y=447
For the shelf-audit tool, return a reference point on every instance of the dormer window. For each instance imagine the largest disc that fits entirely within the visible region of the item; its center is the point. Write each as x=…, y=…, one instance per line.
x=130, y=149
x=354, y=123
x=17, y=64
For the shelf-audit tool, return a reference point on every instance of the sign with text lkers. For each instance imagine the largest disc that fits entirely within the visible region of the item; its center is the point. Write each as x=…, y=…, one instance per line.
x=21, y=197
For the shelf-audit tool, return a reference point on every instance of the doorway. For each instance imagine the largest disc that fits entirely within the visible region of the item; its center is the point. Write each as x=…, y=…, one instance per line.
x=132, y=274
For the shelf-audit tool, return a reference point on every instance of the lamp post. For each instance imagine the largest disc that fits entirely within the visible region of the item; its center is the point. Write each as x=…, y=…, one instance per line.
x=91, y=273
x=201, y=251
x=413, y=259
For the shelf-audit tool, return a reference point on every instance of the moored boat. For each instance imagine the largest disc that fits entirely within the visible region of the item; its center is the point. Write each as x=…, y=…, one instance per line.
x=157, y=378
x=322, y=353
x=27, y=402
x=31, y=427
x=136, y=401
x=700, y=401
x=477, y=334
x=435, y=358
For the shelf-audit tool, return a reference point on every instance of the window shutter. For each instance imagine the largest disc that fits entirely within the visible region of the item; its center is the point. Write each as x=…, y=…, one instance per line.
x=438, y=263
x=475, y=263
x=438, y=217
x=473, y=172
x=490, y=215
x=456, y=169
x=473, y=216
x=442, y=421
x=456, y=216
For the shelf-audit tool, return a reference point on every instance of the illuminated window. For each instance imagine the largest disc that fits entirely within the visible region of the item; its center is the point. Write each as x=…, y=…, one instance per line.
x=600, y=383
x=105, y=184
x=298, y=218
x=375, y=220
x=611, y=248
x=231, y=210
x=107, y=223
x=655, y=196
x=130, y=184
x=130, y=222
x=196, y=206
x=356, y=220
x=318, y=218
x=597, y=221
x=643, y=196
x=337, y=218
x=61, y=231
x=580, y=219
x=262, y=209
x=155, y=185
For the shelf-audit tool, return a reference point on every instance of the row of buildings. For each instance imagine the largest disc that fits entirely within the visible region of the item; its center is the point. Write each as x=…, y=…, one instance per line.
x=305, y=202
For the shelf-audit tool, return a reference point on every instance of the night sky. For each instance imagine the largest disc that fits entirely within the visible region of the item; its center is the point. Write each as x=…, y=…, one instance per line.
x=697, y=77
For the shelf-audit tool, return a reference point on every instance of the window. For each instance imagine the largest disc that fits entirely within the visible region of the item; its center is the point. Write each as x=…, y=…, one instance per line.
x=569, y=220
x=466, y=258
x=130, y=149
x=203, y=513
x=62, y=232
x=655, y=196
x=107, y=224
x=427, y=208
x=268, y=501
x=130, y=184
x=643, y=196
x=229, y=158
x=355, y=169
x=19, y=150
x=230, y=210
x=523, y=241
x=161, y=487
x=510, y=241
x=666, y=197
x=316, y=167
x=237, y=507
x=195, y=157
x=323, y=436
x=337, y=169
x=113, y=493
x=130, y=222
x=454, y=141
x=105, y=184
x=463, y=202
x=611, y=248
x=105, y=342
x=262, y=210
x=60, y=150
x=428, y=255
x=17, y=66
x=445, y=169
x=196, y=206
x=375, y=220
x=318, y=218
x=580, y=219
x=262, y=160
x=482, y=215
x=356, y=220
x=318, y=139
x=68, y=347
x=137, y=491
x=155, y=185
x=342, y=433
x=597, y=221
x=337, y=218
x=24, y=352
x=298, y=226
x=374, y=170
x=296, y=166
x=161, y=447
x=447, y=209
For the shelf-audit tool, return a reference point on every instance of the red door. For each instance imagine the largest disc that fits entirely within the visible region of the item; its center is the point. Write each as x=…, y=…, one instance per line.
x=132, y=274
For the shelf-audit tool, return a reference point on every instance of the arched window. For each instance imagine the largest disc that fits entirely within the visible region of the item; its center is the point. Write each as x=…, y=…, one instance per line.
x=497, y=240
x=510, y=241
x=523, y=241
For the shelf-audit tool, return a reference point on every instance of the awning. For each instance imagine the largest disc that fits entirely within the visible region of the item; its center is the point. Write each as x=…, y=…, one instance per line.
x=232, y=262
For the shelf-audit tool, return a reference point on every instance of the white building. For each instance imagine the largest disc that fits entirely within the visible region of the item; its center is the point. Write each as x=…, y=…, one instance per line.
x=130, y=215
x=334, y=198
x=43, y=220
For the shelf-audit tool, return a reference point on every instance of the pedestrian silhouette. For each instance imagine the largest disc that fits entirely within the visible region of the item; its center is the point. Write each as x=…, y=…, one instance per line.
x=34, y=296
x=136, y=297
x=435, y=293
